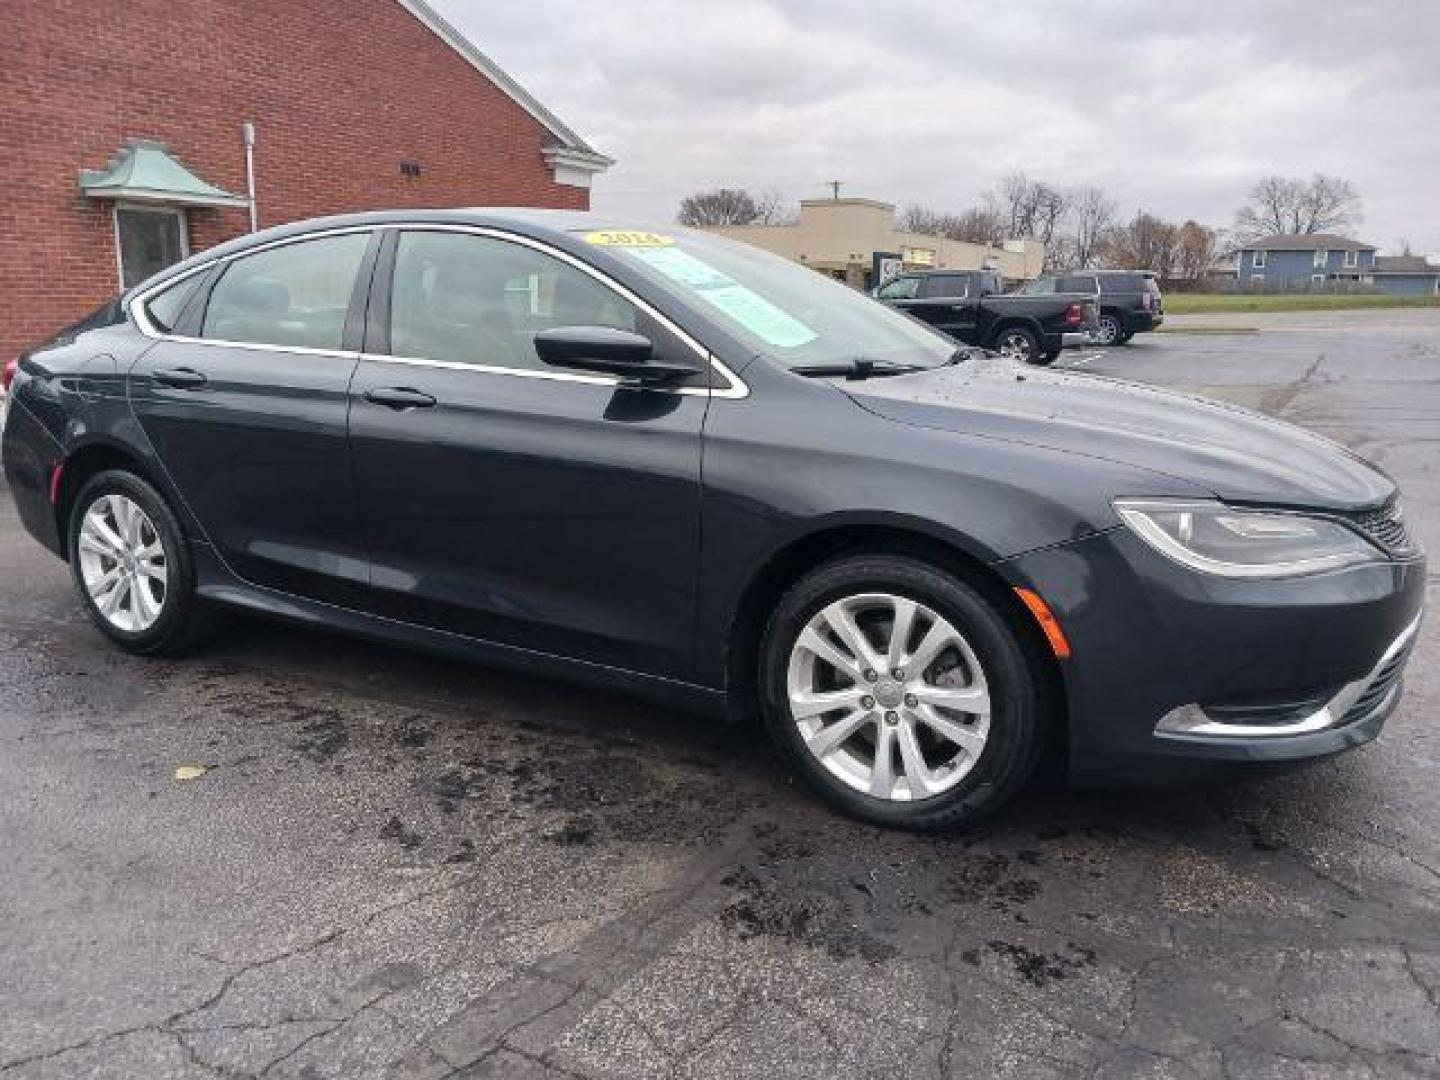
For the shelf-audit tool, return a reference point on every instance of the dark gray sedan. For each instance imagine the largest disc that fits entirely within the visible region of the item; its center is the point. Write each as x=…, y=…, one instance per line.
x=667, y=462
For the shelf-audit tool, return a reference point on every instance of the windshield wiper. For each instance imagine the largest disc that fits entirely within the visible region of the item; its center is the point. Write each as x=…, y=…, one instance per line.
x=859, y=368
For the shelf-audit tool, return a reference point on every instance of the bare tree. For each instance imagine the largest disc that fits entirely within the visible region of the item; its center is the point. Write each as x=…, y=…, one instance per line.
x=772, y=208
x=1091, y=216
x=1290, y=205
x=1028, y=207
x=1195, y=247
x=925, y=220
x=1146, y=243
x=978, y=225
x=723, y=206
x=1031, y=208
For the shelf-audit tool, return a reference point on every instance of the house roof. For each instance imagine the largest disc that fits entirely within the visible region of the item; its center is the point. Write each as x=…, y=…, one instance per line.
x=1307, y=242
x=145, y=170
x=1404, y=264
x=577, y=152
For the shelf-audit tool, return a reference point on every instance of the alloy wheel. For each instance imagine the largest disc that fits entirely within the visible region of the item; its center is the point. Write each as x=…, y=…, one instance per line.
x=123, y=563
x=888, y=696
x=1016, y=346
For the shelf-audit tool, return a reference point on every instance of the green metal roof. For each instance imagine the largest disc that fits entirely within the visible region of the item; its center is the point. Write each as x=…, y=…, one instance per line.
x=146, y=170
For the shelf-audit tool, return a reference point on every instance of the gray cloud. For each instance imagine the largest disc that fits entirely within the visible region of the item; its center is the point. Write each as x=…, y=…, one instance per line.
x=1176, y=108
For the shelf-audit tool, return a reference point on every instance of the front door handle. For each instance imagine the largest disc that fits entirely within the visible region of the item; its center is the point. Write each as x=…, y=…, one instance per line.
x=399, y=397
x=182, y=378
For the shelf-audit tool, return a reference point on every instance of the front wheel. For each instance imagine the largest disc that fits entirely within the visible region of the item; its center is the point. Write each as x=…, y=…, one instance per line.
x=900, y=693
x=1018, y=343
x=132, y=566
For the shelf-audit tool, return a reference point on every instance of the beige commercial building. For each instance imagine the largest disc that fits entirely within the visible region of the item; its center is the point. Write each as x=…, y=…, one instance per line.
x=856, y=241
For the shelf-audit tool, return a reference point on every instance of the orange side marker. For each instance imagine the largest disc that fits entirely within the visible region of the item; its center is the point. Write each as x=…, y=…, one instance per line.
x=1048, y=623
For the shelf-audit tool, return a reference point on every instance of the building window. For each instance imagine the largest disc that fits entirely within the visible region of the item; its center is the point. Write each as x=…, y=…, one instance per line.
x=147, y=240
x=1352, y=259
x=1257, y=260
x=1257, y=279
x=1321, y=257
x=1317, y=279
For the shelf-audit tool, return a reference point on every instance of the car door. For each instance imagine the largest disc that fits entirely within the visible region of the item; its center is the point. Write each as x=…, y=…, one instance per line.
x=946, y=304
x=245, y=404
x=509, y=501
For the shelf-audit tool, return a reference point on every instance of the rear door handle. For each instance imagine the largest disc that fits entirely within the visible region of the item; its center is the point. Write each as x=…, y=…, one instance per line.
x=399, y=397
x=182, y=378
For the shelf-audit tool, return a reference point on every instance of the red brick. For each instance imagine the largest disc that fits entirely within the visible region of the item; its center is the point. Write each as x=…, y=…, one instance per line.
x=340, y=92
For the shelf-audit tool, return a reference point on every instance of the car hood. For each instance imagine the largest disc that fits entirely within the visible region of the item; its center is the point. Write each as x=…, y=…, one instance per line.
x=1238, y=455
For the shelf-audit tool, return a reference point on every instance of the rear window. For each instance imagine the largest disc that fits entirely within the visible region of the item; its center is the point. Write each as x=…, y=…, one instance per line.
x=1121, y=283
x=1081, y=283
x=954, y=286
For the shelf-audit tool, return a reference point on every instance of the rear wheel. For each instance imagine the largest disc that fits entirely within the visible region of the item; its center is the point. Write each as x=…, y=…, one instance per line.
x=1108, y=329
x=1018, y=343
x=900, y=693
x=132, y=566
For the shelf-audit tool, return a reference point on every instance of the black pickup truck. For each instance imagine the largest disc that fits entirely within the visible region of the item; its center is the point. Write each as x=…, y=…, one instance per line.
x=968, y=305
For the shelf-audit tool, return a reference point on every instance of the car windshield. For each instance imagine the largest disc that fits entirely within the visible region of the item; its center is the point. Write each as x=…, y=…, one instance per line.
x=798, y=316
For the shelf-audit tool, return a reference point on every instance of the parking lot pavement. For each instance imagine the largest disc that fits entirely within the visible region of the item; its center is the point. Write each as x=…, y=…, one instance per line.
x=399, y=866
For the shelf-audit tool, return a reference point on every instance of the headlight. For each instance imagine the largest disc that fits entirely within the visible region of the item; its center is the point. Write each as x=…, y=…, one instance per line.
x=1218, y=539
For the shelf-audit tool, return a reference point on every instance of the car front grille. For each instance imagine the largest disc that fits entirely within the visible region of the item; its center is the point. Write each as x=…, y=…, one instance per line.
x=1387, y=528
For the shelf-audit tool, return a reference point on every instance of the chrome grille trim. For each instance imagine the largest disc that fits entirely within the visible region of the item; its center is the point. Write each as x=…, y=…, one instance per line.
x=1354, y=702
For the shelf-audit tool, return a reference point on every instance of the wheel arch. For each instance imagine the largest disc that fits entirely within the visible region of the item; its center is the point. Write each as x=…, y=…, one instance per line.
x=79, y=466
x=1023, y=322
x=953, y=554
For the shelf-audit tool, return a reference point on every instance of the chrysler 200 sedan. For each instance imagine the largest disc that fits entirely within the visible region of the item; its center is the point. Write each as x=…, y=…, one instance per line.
x=671, y=463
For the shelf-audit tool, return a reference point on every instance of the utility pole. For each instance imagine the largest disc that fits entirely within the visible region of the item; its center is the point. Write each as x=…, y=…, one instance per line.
x=834, y=188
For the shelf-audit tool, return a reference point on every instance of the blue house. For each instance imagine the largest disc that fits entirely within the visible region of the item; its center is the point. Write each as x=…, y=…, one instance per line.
x=1414, y=275
x=1321, y=262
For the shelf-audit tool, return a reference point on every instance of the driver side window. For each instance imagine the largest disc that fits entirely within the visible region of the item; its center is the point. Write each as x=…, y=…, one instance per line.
x=905, y=288
x=472, y=299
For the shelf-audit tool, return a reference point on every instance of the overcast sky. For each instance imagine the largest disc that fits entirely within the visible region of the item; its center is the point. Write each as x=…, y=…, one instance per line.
x=1176, y=108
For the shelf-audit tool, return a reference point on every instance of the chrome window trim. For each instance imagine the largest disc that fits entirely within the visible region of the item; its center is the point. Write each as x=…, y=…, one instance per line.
x=735, y=389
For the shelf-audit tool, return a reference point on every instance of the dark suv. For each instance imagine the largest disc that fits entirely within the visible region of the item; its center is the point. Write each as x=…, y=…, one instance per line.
x=1130, y=300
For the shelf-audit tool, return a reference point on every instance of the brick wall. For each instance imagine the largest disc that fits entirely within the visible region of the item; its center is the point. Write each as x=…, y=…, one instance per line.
x=340, y=92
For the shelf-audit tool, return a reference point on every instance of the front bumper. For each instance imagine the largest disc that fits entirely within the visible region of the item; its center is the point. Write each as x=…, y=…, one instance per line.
x=1172, y=669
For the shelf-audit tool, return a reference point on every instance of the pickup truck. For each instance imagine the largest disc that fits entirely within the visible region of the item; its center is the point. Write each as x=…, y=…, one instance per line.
x=968, y=305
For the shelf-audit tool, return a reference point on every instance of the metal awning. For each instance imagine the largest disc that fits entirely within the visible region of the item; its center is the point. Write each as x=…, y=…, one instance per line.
x=145, y=171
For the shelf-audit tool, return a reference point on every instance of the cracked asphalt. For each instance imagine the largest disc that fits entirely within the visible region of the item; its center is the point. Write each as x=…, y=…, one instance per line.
x=405, y=867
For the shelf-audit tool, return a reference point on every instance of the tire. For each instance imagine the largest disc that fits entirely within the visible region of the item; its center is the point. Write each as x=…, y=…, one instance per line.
x=1018, y=343
x=1047, y=359
x=1109, y=329
x=957, y=786
x=155, y=610
x=1124, y=339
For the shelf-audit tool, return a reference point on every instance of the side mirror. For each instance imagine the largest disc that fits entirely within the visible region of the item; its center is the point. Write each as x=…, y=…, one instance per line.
x=605, y=349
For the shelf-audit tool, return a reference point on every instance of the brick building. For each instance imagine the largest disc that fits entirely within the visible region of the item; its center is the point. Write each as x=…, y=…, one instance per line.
x=122, y=146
